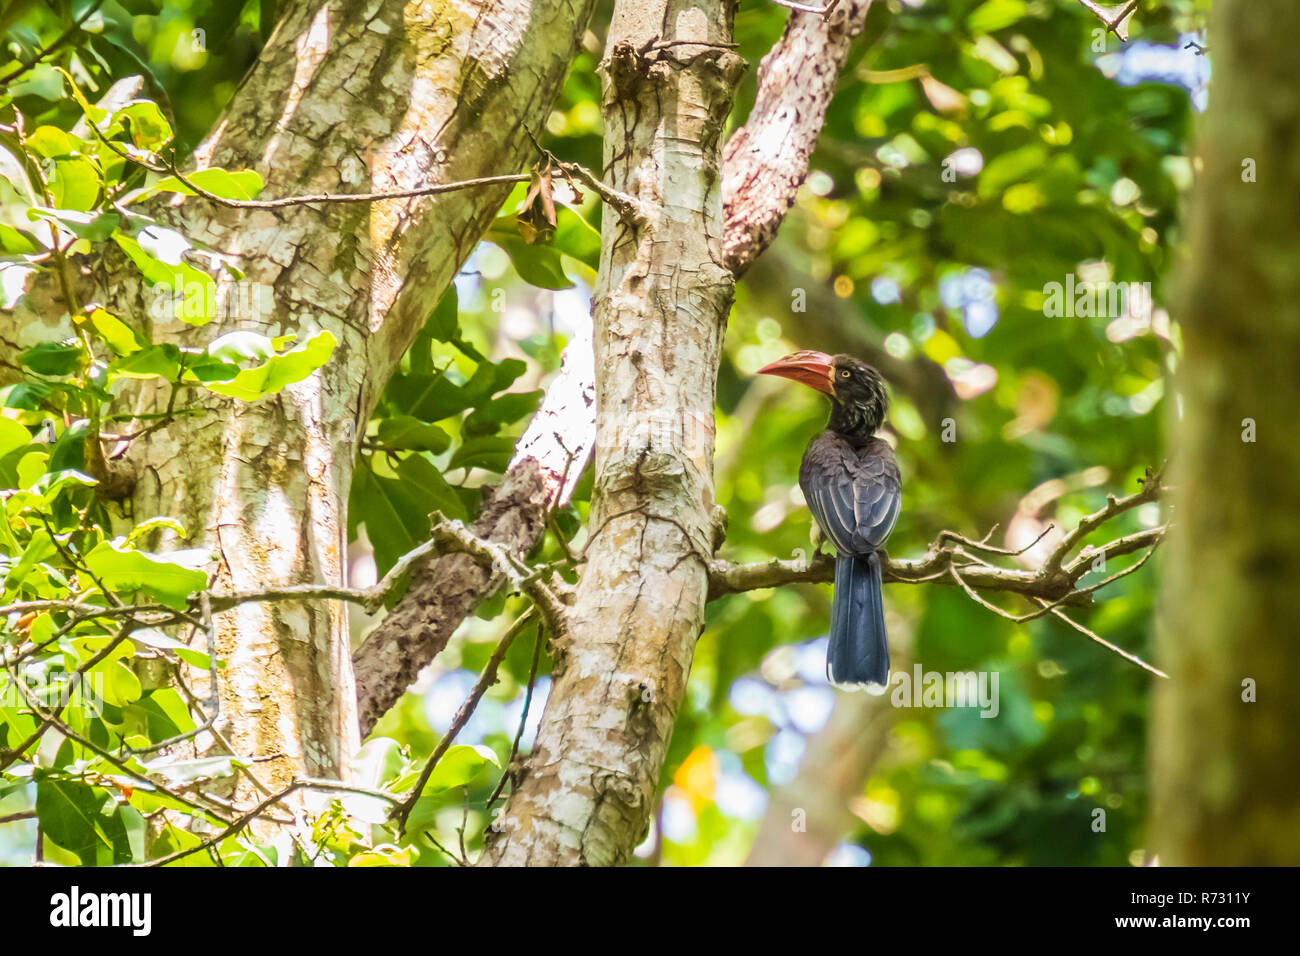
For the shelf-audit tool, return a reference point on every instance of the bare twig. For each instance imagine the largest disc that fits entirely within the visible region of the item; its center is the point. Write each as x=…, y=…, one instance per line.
x=1111, y=18
x=807, y=7
x=523, y=718
x=445, y=537
x=486, y=680
x=1049, y=587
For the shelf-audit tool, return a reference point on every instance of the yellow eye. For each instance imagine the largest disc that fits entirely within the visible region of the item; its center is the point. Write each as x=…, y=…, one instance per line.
x=844, y=374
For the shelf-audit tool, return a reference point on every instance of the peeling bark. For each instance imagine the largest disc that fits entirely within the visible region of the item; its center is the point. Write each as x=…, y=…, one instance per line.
x=767, y=159
x=662, y=301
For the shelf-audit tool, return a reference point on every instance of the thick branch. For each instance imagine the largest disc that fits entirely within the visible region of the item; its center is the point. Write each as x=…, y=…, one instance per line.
x=766, y=160
x=548, y=460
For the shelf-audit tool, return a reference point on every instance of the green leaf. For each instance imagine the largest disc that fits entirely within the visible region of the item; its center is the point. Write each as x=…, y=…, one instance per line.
x=407, y=431
x=17, y=241
x=490, y=451
x=125, y=570
x=489, y=417
x=256, y=383
x=996, y=15
x=178, y=772
x=50, y=141
x=75, y=184
x=119, y=336
x=418, y=472
x=537, y=265
x=197, y=305
x=153, y=361
x=145, y=122
x=93, y=226
x=52, y=358
x=395, y=514
x=239, y=347
x=165, y=642
x=72, y=816
x=12, y=436
x=244, y=184
x=40, y=547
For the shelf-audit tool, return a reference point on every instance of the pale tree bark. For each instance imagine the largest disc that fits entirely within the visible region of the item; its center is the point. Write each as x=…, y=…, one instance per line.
x=766, y=161
x=345, y=97
x=661, y=307
x=1223, y=747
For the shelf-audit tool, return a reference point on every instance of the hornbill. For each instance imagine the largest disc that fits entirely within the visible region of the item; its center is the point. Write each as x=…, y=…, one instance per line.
x=850, y=481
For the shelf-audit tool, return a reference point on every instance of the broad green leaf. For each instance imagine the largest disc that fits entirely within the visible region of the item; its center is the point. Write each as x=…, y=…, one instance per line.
x=152, y=361
x=73, y=816
x=40, y=547
x=145, y=122
x=408, y=432
x=177, y=772
x=256, y=383
x=12, y=436
x=418, y=472
x=243, y=184
x=489, y=451
x=52, y=358
x=490, y=416
x=194, y=290
x=17, y=241
x=383, y=855
x=75, y=184
x=165, y=642
x=537, y=265
x=996, y=15
x=50, y=141
x=395, y=513
x=239, y=347
x=95, y=226
x=125, y=570
x=119, y=336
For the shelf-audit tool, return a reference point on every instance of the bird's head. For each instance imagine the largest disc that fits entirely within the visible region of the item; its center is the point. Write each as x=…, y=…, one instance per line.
x=856, y=389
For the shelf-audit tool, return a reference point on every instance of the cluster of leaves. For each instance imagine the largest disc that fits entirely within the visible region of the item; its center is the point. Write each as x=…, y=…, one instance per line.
x=118, y=636
x=100, y=636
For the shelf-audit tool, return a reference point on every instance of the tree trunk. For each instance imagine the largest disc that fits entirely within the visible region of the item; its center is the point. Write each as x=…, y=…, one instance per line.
x=345, y=97
x=662, y=301
x=1224, y=757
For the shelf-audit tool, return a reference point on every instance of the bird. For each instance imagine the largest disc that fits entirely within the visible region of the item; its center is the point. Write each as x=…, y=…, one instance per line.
x=849, y=477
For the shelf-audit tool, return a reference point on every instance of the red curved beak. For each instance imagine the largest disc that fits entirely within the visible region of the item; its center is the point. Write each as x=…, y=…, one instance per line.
x=814, y=369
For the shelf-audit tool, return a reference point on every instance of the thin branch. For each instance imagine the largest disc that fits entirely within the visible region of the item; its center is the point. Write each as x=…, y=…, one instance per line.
x=1109, y=18
x=1107, y=644
x=807, y=7
x=445, y=537
x=486, y=680
x=630, y=209
x=1049, y=587
x=58, y=42
x=523, y=718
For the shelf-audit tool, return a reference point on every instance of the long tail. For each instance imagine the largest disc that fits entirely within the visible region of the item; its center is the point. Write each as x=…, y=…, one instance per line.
x=859, y=651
